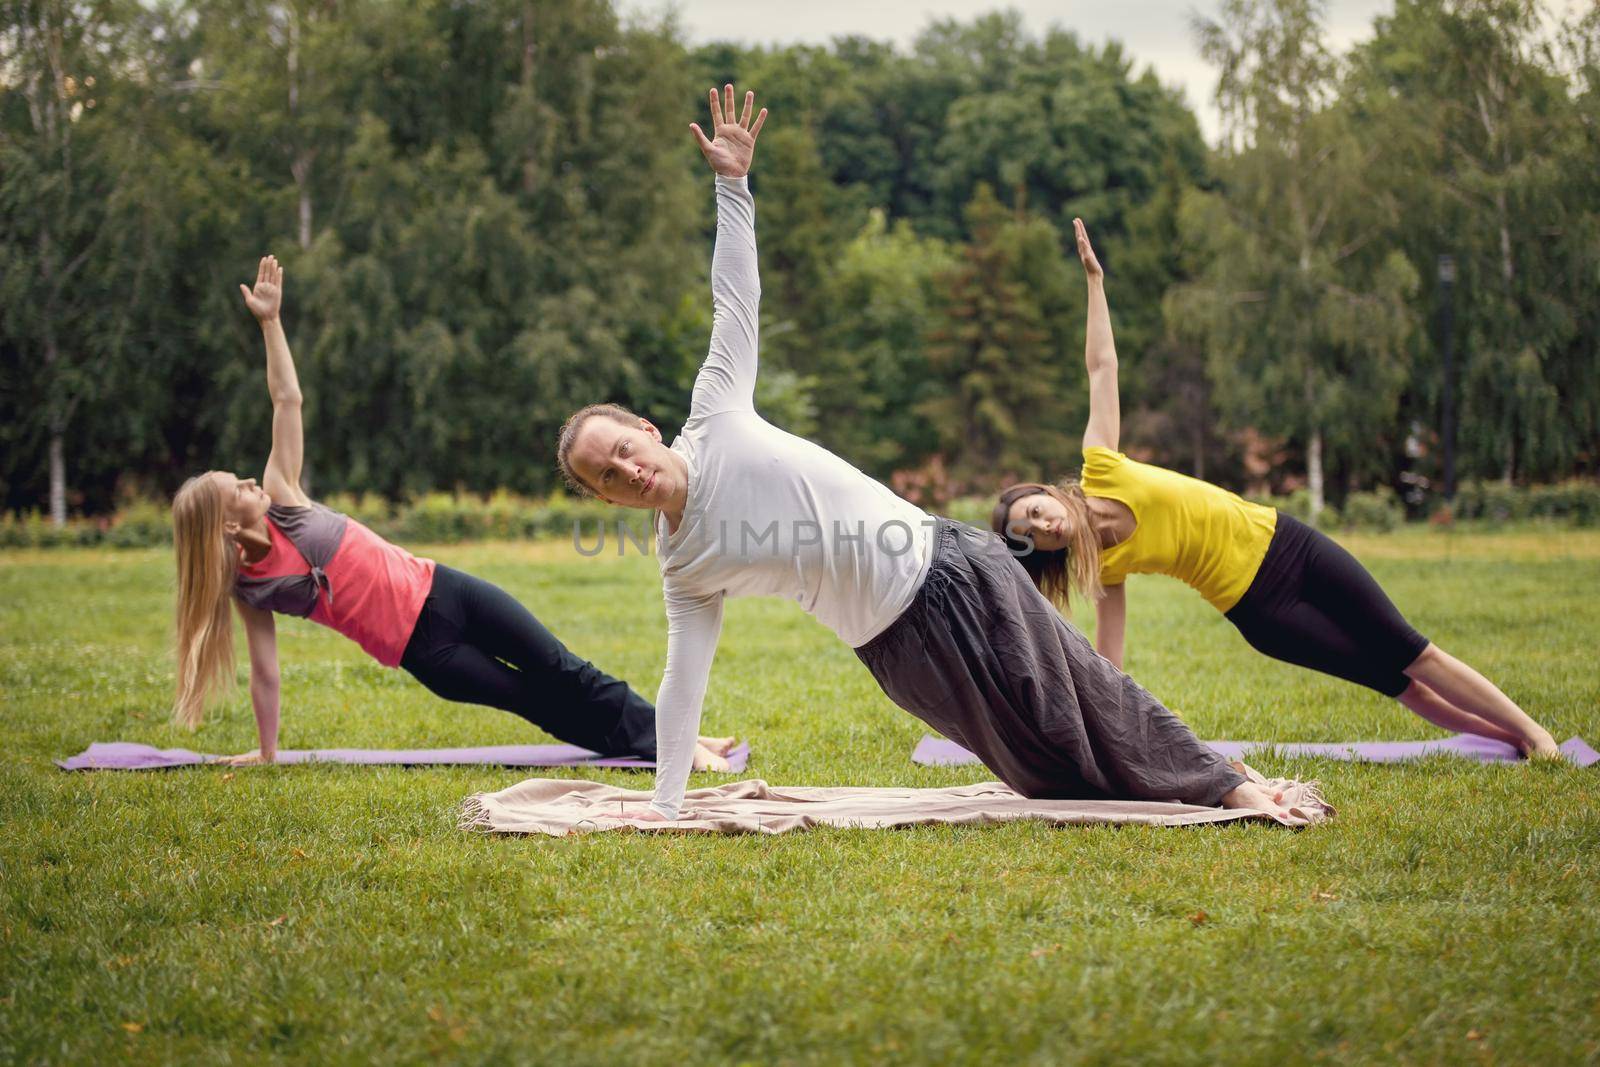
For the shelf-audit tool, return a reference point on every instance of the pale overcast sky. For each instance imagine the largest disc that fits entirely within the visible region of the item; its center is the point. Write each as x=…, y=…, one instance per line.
x=1153, y=32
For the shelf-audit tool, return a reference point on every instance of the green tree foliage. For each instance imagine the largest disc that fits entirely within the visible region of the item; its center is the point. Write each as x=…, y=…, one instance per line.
x=1057, y=128
x=1307, y=315
x=490, y=213
x=800, y=240
x=876, y=377
x=1493, y=147
x=93, y=224
x=472, y=293
x=1166, y=396
x=1002, y=395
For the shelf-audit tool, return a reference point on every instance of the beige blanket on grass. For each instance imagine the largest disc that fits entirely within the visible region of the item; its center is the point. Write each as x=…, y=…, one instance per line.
x=559, y=807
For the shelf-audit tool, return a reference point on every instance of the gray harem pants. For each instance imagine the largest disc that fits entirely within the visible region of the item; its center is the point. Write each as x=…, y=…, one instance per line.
x=982, y=657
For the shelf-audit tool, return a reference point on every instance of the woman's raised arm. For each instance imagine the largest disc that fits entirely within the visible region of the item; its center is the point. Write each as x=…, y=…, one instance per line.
x=282, y=477
x=1099, y=354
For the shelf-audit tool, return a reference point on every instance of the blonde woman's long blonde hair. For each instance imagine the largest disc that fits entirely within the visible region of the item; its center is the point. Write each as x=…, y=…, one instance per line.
x=1058, y=572
x=208, y=562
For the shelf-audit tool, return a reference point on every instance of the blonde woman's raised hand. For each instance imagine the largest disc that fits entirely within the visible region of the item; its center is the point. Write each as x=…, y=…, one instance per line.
x=266, y=298
x=732, y=144
x=1091, y=265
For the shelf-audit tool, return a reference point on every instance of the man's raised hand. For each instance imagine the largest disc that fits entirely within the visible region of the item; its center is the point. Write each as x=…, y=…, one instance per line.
x=733, y=140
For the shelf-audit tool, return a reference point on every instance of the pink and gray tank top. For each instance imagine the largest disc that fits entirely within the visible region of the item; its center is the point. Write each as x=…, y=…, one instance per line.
x=328, y=568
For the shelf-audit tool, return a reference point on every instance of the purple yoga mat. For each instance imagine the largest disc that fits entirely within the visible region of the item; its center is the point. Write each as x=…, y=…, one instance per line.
x=127, y=756
x=937, y=752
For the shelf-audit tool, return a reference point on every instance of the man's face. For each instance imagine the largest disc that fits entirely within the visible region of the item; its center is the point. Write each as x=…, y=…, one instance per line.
x=627, y=464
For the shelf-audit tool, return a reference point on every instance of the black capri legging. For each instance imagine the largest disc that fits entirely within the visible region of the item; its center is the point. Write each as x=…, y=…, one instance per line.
x=474, y=643
x=1314, y=605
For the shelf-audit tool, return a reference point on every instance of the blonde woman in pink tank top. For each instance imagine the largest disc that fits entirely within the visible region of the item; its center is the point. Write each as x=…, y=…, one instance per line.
x=267, y=549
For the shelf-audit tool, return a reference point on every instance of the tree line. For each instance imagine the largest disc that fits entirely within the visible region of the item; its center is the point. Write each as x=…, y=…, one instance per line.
x=1386, y=272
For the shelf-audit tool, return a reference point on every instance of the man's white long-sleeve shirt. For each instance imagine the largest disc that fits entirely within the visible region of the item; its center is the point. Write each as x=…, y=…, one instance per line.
x=768, y=513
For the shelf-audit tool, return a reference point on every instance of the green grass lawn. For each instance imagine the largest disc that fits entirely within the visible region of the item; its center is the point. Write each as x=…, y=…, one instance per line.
x=1449, y=914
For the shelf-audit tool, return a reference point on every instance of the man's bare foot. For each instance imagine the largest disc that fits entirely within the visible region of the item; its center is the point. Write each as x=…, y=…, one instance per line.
x=1290, y=802
x=720, y=745
x=1252, y=797
x=707, y=760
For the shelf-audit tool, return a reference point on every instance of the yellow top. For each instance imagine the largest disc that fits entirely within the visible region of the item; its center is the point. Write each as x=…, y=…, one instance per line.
x=1194, y=531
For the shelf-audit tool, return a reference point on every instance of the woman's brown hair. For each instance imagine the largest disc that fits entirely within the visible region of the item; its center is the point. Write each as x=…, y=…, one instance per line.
x=1056, y=572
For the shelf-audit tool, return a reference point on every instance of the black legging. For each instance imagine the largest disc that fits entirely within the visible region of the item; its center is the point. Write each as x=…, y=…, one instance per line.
x=475, y=644
x=1314, y=605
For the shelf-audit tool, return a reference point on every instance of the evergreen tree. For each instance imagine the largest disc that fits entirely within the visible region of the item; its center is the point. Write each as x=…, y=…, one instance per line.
x=999, y=408
x=875, y=377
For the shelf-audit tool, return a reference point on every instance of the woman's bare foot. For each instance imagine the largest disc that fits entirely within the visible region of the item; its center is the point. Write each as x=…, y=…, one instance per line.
x=707, y=760
x=1540, y=746
x=720, y=745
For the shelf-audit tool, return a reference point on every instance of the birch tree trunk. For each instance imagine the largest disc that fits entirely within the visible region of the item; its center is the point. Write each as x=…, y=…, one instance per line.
x=1314, y=471
x=300, y=166
x=58, y=477
x=57, y=430
x=1313, y=452
x=530, y=48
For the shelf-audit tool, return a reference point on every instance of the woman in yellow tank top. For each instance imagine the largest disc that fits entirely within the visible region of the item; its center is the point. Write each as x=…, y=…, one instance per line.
x=1290, y=590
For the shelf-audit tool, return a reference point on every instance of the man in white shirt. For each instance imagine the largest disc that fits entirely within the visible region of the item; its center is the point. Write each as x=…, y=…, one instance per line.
x=947, y=621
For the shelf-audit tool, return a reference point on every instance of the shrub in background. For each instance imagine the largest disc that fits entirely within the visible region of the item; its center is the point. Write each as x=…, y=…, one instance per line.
x=445, y=518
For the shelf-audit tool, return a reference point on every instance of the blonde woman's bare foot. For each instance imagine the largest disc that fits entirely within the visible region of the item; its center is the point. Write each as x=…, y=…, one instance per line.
x=707, y=760
x=1541, y=746
x=720, y=745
